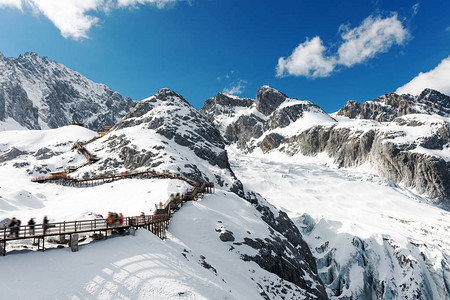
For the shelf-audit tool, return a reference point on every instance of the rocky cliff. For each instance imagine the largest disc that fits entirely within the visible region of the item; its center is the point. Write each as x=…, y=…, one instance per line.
x=414, y=160
x=386, y=108
x=247, y=122
x=411, y=146
x=38, y=93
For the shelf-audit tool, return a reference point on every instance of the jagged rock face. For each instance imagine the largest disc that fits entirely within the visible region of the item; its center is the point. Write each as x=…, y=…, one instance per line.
x=390, y=106
x=281, y=251
x=268, y=99
x=39, y=94
x=11, y=154
x=271, y=141
x=223, y=109
x=244, y=121
x=243, y=130
x=398, y=161
x=223, y=104
x=294, y=261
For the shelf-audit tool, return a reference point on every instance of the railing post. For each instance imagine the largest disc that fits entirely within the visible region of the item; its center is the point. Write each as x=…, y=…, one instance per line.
x=4, y=242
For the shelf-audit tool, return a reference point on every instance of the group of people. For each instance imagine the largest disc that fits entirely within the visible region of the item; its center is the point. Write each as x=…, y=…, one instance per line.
x=113, y=218
x=14, y=226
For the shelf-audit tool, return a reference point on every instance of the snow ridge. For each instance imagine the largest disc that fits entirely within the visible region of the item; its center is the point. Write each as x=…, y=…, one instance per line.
x=38, y=93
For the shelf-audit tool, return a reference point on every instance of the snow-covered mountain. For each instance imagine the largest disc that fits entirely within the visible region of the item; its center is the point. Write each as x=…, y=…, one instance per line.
x=303, y=209
x=336, y=178
x=37, y=93
x=411, y=149
x=233, y=239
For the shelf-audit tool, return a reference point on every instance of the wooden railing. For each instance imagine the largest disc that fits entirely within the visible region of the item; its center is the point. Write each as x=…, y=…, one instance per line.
x=105, y=178
x=155, y=223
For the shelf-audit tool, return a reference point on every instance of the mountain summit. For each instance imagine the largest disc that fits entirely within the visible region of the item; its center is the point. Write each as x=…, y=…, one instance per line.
x=37, y=93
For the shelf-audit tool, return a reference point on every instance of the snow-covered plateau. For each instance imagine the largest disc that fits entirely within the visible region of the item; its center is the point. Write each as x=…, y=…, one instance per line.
x=307, y=205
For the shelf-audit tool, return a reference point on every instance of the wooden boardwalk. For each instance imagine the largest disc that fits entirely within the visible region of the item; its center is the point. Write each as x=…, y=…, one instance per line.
x=66, y=180
x=156, y=223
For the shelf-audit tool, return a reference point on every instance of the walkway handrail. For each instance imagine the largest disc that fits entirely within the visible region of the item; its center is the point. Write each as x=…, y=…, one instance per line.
x=67, y=227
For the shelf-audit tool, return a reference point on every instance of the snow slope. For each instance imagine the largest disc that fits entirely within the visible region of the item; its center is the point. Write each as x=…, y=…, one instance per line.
x=371, y=238
x=193, y=263
x=265, y=258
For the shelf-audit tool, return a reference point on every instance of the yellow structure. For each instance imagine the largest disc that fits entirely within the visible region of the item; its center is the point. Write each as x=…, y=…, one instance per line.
x=76, y=123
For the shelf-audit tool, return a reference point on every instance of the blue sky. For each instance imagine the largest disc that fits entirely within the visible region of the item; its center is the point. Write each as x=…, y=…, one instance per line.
x=324, y=51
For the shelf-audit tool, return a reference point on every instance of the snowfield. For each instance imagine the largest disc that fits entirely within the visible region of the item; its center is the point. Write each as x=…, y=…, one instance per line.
x=338, y=210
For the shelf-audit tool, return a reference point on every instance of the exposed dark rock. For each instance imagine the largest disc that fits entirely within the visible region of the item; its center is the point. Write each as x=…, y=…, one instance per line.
x=243, y=130
x=44, y=153
x=271, y=141
x=264, y=114
x=21, y=165
x=350, y=148
x=223, y=104
x=206, y=265
x=390, y=106
x=268, y=99
x=285, y=253
x=181, y=125
x=11, y=154
x=226, y=236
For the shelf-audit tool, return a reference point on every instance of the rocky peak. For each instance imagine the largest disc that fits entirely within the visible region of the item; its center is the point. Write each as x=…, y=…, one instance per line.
x=39, y=93
x=435, y=99
x=431, y=94
x=268, y=99
x=223, y=104
x=168, y=95
x=231, y=100
x=390, y=106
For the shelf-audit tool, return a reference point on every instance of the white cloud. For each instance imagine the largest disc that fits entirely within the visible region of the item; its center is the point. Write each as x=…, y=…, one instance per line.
x=134, y=3
x=375, y=35
x=416, y=8
x=74, y=18
x=70, y=17
x=11, y=3
x=307, y=60
x=237, y=89
x=437, y=79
